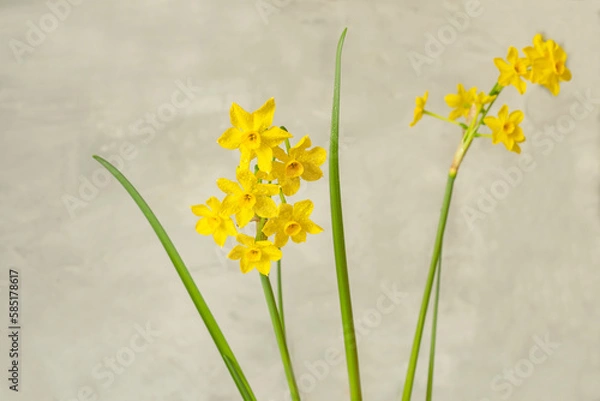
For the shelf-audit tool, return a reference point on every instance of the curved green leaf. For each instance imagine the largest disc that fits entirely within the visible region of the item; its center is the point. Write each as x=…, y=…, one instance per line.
x=208, y=318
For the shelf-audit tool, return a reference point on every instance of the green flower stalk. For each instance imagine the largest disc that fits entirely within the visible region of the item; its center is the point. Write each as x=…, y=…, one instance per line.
x=544, y=65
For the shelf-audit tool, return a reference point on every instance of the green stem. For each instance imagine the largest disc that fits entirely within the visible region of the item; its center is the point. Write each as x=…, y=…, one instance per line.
x=339, y=246
x=280, y=296
x=279, y=334
x=276, y=316
x=429, y=113
x=436, y=302
x=282, y=196
x=412, y=366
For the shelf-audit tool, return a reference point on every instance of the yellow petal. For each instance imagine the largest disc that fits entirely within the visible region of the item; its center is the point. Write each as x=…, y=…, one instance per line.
x=265, y=158
x=271, y=227
x=503, y=113
x=303, y=144
x=220, y=236
x=265, y=207
x=230, y=205
x=302, y=210
x=245, y=265
x=228, y=186
x=237, y=252
x=245, y=239
x=266, y=189
x=240, y=118
x=274, y=136
x=291, y=185
x=201, y=210
x=214, y=204
x=246, y=179
x=280, y=154
x=246, y=155
x=518, y=135
x=244, y=215
x=520, y=85
x=230, y=139
x=315, y=156
x=202, y=227
x=311, y=228
x=281, y=239
x=263, y=267
x=300, y=237
x=263, y=117
x=271, y=251
x=513, y=55
x=228, y=226
x=286, y=211
x=516, y=116
x=452, y=100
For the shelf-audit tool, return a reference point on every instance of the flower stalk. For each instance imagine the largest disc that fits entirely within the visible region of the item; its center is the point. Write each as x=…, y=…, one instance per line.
x=277, y=322
x=414, y=355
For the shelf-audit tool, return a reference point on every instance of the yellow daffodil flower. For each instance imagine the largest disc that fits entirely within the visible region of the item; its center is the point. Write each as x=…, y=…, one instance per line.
x=419, y=108
x=512, y=71
x=298, y=163
x=505, y=128
x=253, y=135
x=548, y=63
x=292, y=221
x=248, y=199
x=214, y=222
x=461, y=102
x=254, y=254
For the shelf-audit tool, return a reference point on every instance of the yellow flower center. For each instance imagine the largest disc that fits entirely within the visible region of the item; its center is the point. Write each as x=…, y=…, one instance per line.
x=559, y=67
x=214, y=222
x=292, y=228
x=247, y=200
x=254, y=254
x=251, y=139
x=294, y=169
x=520, y=68
x=509, y=127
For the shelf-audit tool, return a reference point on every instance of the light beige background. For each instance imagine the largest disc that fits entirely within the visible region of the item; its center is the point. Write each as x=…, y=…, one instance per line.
x=524, y=271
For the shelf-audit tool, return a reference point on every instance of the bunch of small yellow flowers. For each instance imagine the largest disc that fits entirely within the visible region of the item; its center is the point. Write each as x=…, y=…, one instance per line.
x=250, y=198
x=543, y=64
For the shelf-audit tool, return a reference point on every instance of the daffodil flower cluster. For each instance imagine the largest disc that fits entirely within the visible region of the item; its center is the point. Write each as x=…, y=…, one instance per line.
x=277, y=173
x=543, y=64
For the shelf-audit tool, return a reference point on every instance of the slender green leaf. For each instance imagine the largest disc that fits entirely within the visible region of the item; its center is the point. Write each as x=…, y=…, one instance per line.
x=208, y=318
x=339, y=244
x=239, y=381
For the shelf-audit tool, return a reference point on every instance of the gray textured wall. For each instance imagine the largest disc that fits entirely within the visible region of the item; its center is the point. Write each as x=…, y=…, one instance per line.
x=524, y=274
